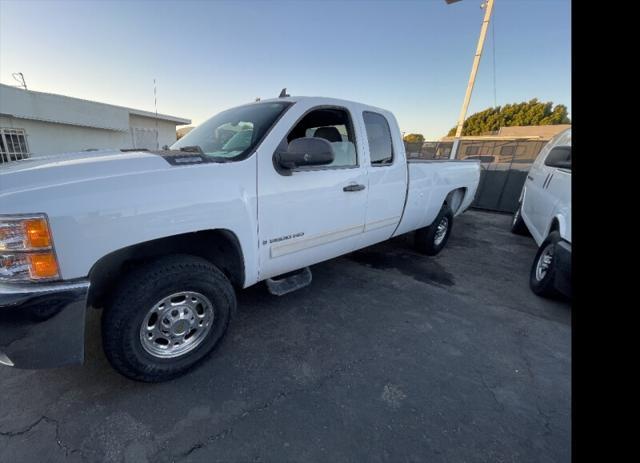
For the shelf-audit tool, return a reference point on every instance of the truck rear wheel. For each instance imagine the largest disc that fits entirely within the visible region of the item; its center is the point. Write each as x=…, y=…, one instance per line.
x=543, y=271
x=432, y=239
x=166, y=316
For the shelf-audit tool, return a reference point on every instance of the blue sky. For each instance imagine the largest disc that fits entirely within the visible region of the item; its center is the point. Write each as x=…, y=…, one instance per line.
x=411, y=57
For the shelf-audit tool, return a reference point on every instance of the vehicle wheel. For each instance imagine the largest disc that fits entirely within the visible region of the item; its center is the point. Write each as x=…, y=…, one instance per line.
x=166, y=316
x=518, y=226
x=432, y=239
x=543, y=270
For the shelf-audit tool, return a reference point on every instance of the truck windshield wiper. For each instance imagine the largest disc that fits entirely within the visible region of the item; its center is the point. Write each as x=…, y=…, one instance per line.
x=192, y=149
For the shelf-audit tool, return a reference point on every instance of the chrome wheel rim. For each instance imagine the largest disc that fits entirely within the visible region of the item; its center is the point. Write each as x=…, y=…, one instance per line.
x=176, y=324
x=544, y=262
x=441, y=231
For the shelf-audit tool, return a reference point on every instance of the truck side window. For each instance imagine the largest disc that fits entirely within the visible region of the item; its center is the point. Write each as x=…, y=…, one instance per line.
x=379, y=137
x=559, y=156
x=334, y=125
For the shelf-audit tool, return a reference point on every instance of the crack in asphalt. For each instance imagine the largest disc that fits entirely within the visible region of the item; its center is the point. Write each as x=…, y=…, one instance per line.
x=264, y=406
x=200, y=445
x=522, y=335
x=25, y=430
x=46, y=419
x=491, y=391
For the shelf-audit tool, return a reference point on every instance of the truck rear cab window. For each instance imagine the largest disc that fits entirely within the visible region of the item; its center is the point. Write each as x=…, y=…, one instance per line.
x=379, y=138
x=334, y=125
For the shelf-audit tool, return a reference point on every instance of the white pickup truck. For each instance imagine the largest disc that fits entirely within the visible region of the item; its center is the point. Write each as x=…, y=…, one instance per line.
x=161, y=240
x=545, y=212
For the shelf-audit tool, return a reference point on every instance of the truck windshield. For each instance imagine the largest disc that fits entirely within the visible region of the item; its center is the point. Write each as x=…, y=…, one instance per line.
x=234, y=133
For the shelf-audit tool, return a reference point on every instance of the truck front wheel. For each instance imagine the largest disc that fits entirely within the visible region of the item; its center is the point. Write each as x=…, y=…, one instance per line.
x=432, y=239
x=166, y=316
x=543, y=270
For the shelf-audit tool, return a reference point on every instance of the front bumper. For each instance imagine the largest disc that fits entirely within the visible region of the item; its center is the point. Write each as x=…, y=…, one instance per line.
x=563, y=268
x=42, y=324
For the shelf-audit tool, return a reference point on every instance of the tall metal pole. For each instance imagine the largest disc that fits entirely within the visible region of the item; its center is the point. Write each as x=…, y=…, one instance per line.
x=472, y=77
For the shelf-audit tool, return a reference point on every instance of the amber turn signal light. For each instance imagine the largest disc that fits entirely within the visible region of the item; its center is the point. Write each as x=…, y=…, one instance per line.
x=37, y=233
x=43, y=265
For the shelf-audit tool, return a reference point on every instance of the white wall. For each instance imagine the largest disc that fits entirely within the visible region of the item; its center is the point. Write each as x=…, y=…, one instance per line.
x=46, y=138
x=48, y=107
x=57, y=123
x=166, y=129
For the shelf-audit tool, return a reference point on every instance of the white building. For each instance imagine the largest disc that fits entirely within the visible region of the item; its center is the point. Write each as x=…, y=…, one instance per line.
x=36, y=124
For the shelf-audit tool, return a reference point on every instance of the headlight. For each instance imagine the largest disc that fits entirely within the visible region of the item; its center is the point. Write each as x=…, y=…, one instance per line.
x=26, y=249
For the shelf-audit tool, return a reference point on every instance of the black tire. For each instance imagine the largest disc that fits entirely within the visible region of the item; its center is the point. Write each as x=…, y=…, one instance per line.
x=425, y=238
x=545, y=286
x=139, y=291
x=518, y=227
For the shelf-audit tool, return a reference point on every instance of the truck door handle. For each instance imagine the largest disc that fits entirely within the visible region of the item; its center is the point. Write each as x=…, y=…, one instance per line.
x=354, y=187
x=530, y=177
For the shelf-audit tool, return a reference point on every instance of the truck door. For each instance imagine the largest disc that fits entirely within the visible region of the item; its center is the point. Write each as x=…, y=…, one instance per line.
x=536, y=179
x=387, y=177
x=316, y=213
x=555, y=192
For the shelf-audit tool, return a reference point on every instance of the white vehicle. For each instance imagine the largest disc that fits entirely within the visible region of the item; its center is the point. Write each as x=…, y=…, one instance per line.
x=545, y=211
x=160, y=240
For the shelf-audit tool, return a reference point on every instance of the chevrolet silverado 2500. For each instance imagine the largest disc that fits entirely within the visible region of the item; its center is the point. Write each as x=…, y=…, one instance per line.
x=161, y=239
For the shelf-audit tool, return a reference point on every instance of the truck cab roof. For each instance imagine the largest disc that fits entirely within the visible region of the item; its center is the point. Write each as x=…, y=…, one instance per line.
x=321, y=100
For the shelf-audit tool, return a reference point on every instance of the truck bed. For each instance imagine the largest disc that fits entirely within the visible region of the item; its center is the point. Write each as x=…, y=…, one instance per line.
x=430, y=182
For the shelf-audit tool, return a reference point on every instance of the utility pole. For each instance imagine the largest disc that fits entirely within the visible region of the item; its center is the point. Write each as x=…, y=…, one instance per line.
x=488, y=8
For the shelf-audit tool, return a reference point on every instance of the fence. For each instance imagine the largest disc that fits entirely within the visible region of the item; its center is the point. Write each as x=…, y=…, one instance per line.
x=504, y=165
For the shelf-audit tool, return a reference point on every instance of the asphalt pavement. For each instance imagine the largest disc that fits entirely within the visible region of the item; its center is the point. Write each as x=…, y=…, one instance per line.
x=388, y=355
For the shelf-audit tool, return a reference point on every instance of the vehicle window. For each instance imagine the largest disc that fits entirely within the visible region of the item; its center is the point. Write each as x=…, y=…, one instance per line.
x=379, y=138
x=334, y=125
x=234, y=133
x=559, y=154
x=508, y=150
x=471, y=150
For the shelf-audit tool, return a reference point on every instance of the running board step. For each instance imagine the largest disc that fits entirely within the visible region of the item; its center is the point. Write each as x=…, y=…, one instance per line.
x=289, y=282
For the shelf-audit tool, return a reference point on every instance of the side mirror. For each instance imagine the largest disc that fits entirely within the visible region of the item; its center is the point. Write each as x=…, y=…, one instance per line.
x=306, y=151
x=559, y=157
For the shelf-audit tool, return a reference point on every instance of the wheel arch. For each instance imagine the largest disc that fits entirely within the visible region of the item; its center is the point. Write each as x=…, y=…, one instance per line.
x=221, y=247
x=455, y=199
x=557, y=224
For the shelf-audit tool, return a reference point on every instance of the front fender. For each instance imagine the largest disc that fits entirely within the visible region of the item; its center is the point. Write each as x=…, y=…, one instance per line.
x=94, y=218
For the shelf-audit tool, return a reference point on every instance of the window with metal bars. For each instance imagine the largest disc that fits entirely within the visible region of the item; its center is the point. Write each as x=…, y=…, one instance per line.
x=13, y=145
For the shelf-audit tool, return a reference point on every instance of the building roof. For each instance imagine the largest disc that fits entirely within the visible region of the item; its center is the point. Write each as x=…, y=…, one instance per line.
x=543, y=131
x=61, y=109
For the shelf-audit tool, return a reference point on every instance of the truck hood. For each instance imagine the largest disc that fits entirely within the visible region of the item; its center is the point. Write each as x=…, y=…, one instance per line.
x=48, y=171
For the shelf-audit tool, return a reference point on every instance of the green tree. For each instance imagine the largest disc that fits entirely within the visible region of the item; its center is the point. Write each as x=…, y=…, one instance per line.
x=531, y=112
x=414, y=138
